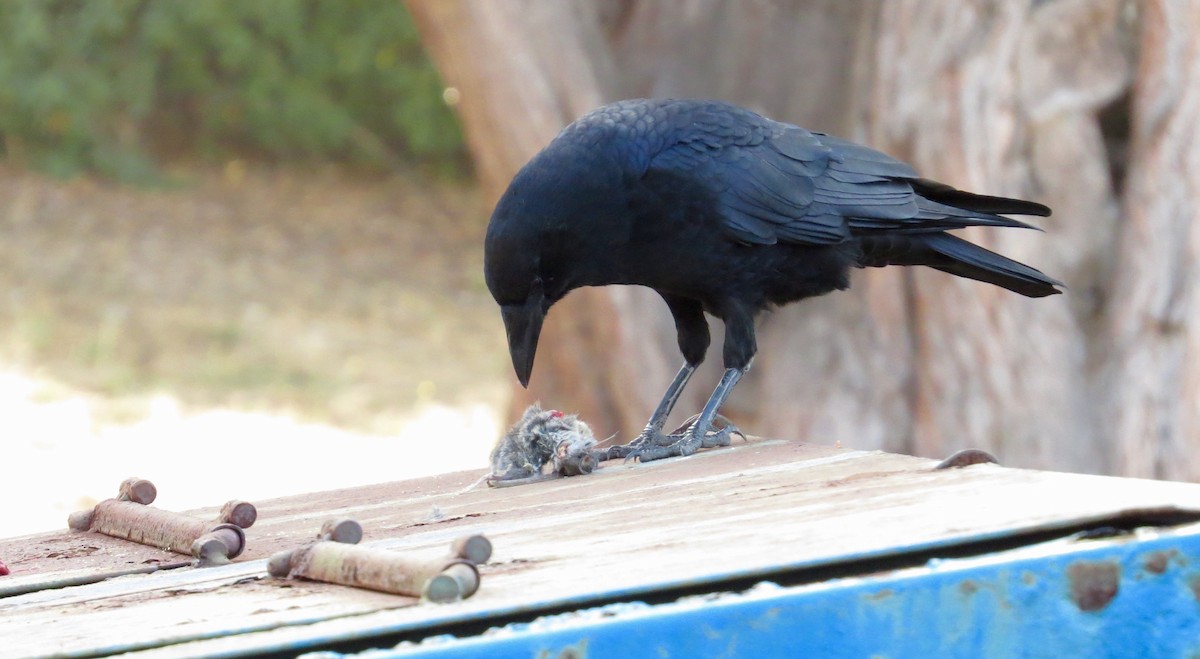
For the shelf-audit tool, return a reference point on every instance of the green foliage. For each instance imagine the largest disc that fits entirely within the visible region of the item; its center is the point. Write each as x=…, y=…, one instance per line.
x=109, y=85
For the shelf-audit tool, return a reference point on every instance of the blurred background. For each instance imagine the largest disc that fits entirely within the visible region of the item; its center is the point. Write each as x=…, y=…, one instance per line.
x=240, y=243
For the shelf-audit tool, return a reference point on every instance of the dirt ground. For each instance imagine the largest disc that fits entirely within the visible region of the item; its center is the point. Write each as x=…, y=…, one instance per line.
x=308, y=329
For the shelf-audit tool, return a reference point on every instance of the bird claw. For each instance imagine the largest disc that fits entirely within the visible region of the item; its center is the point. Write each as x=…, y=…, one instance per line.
x=685, y=440
x=648, y=439
x=682, y=447
x=720, y=433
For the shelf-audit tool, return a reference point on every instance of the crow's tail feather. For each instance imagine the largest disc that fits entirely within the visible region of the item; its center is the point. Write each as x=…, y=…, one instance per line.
x=945, y=194
x=958, y=257
x=969, y=260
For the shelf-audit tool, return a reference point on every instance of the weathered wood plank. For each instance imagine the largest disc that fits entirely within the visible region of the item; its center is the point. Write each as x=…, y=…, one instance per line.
x=625, y=530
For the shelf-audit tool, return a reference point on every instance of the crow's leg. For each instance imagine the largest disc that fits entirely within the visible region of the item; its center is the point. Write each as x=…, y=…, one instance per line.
x=655, y=425
x=652, y=435
x=739, y=351
x=692, y=333
x=701, y=433
x=721, y=424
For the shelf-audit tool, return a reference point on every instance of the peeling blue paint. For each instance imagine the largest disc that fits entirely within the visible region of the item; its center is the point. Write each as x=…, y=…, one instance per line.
x=1143, y=601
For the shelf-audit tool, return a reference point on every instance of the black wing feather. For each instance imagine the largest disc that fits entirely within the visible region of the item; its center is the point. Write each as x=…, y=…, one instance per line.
x=777, y=182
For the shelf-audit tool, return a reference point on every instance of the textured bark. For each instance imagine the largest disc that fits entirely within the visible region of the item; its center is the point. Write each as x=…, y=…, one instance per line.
x=1153, y=406
x=1022, y=99
x=968, y=92
x=789, y=59
x=523, y=69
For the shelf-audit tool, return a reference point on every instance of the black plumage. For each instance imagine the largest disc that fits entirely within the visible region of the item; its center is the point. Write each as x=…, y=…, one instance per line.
x=720, y=210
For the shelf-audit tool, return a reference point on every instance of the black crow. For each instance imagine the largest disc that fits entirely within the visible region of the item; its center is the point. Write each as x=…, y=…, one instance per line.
x=720, y=210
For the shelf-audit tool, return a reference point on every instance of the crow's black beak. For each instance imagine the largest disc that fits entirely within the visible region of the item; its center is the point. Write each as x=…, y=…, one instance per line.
x=523, y=323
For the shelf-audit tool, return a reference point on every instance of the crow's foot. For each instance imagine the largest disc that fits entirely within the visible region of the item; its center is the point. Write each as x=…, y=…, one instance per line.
x=683, y=441
x=650, y=438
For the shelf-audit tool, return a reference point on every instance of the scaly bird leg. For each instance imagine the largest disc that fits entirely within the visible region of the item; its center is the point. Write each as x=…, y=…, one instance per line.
x=721, y=425
x=701, y=433
x=652, y=435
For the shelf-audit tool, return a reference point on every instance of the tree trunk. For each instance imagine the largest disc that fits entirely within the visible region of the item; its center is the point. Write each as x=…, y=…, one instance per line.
x=1153, y=408
x=1003, y=99
x=522, y=69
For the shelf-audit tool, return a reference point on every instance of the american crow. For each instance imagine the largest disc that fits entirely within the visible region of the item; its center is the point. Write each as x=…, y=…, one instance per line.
x=723, y=211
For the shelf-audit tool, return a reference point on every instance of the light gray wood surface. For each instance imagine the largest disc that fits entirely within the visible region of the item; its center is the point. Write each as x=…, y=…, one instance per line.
x=625, y=530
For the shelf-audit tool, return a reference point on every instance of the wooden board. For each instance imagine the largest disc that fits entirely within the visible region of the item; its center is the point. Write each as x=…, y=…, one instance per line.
x=625, y=530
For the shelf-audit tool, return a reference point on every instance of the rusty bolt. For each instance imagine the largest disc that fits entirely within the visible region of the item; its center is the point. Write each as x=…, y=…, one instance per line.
x=130, y=517
x=220, y=544
x=336, y=558
x=239, y=513
x=476, y=549
x=442, y=580
x=137, y=490
x=342, y=530
x=280, y=564
x=81, y=520
x=466, y=582
x=159, y=528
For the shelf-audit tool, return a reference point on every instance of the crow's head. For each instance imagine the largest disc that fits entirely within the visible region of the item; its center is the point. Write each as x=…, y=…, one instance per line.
x=512, y=268
x=545, y=238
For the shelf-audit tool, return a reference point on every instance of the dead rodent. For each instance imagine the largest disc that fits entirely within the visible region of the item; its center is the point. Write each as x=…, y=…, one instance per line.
x=544, y=444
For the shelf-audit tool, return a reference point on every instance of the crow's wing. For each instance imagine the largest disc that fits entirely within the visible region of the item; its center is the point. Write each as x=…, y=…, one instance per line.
x=777, y=182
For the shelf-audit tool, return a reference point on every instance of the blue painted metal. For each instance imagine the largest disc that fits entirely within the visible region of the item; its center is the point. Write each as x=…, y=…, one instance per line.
x=1135, y=596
